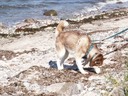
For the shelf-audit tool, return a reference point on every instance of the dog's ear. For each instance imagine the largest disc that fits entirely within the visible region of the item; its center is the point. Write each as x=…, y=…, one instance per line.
x=97, y=60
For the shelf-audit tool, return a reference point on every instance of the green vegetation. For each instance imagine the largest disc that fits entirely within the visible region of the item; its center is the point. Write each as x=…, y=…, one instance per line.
x=124, y=84
x=126, y=78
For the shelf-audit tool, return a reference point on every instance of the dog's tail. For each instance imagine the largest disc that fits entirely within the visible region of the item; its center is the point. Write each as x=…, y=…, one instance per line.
x=62, y=24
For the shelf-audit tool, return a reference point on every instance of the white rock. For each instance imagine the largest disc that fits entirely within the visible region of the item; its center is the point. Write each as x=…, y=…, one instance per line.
x=55, y=87
x=97, y=77
x=90, y=94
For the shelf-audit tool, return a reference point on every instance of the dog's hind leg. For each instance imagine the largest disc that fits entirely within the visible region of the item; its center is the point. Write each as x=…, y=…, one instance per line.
x=62, y=55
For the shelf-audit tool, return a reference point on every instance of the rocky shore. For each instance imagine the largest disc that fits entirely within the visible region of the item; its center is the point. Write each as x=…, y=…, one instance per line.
x=28, y=58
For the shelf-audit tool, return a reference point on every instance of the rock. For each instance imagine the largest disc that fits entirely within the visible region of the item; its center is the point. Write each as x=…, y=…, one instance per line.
x=48, y=28
x=69, y=89
x=37, y=89
x=119, y=2
x=89, y=93
x=30, y=20
x=66, y=88
x=94, y=78
x=117, y=91
x=2, y=25
x=55, y=87
x=50, y=13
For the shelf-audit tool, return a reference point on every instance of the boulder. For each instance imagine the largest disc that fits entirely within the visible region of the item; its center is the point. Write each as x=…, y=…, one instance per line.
x=66, y=88
x=69, y=89
x=50, y=13
x=55, y=87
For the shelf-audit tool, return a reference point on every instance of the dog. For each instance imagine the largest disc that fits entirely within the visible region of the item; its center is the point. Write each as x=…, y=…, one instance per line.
x=76, y=43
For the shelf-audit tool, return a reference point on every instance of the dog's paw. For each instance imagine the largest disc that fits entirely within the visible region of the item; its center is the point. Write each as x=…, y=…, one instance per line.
x=60, y=68
x=84, y=72
x=97, y=70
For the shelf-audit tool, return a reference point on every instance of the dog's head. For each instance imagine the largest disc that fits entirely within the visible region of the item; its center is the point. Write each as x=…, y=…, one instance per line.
x=95, y=56
x=97, y=60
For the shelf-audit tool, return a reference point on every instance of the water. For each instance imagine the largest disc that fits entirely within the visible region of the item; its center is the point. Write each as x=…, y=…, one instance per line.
x=12, y=11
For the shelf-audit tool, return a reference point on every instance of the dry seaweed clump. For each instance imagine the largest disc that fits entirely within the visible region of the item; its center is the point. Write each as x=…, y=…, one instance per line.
x=8, y=55
x=50, y=76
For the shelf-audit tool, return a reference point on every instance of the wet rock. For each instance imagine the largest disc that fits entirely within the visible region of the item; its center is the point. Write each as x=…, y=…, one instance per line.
x=30, y=20
x=119, y=2
x=50, y=13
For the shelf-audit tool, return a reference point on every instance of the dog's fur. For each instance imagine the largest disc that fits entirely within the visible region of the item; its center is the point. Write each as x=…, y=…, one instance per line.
x=71, y=42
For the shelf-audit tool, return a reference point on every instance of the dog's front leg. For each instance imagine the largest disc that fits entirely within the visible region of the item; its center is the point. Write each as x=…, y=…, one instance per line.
x=59, y=64
x=80, y=66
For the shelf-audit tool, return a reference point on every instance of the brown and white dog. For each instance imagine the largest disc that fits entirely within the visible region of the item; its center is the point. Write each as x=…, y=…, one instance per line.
x=73, y=42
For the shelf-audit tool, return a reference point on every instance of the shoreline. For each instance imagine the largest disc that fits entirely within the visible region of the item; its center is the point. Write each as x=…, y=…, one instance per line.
x=31, y=26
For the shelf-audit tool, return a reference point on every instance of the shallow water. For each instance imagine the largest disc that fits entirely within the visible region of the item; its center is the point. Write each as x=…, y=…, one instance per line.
x=12, y=11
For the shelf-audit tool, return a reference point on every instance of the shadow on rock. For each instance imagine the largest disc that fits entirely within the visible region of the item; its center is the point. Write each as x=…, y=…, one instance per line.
x=54, y=65
x=69, y=67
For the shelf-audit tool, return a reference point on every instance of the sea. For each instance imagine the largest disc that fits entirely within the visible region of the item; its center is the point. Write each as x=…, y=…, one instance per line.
x=13, y=11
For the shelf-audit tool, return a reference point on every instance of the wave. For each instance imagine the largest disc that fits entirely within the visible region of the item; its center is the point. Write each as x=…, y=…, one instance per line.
x=21, y=6
x=15, y=10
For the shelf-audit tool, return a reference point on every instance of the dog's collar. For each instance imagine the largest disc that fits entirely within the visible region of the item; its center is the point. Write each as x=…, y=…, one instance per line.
x=93, y=57
x=89, y=49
